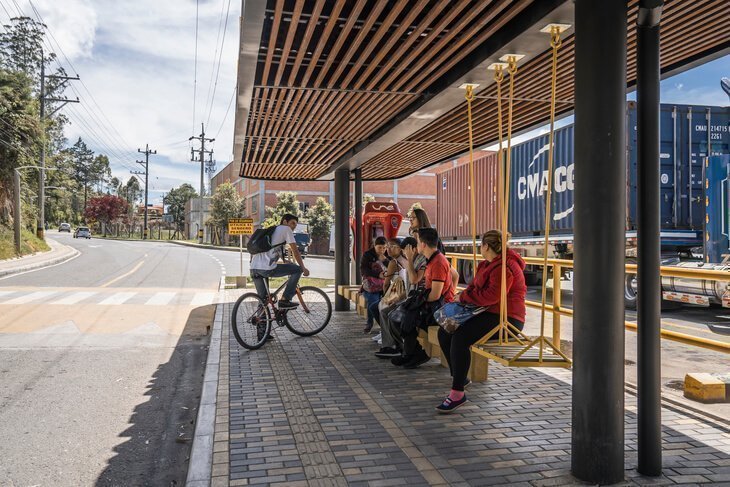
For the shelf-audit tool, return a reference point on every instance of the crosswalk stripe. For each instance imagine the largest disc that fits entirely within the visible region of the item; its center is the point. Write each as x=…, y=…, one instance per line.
x=160, y=299
x=27, y=298
x=6, y=293
x=202, y=299
x=75, y=297
x=117, y=298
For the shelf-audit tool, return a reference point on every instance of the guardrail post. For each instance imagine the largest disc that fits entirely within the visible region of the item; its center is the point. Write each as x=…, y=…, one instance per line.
x=557, y=303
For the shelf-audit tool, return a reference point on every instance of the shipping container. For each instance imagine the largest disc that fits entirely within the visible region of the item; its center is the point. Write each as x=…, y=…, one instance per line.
x=686, y=132
x=454, y=201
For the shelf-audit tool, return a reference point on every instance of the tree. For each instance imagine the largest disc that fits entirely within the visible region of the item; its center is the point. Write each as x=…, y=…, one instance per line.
x=367, y=198
x=21, y=47
x=286, y=202
x=176, y=200
x=105, y=209
x=224, y=205
x=320, y=218
x=414, y=206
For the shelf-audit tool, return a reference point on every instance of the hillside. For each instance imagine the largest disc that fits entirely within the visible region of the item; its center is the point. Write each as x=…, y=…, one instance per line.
x=29, y=245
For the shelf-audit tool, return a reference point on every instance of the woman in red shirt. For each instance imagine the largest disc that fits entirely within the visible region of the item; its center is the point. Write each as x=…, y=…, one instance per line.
x=485, y=290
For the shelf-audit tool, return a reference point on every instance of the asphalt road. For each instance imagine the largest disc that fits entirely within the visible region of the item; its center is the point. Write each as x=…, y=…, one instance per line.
x=101, y=364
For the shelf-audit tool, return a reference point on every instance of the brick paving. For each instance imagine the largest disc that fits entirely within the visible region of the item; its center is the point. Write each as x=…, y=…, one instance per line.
x=325, y=411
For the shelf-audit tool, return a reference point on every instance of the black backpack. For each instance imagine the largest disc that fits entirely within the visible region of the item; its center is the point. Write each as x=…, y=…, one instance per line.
x=260, y=241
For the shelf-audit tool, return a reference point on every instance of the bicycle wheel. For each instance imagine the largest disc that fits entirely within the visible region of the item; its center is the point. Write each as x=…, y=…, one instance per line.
x=251, y=321
x=312, y=314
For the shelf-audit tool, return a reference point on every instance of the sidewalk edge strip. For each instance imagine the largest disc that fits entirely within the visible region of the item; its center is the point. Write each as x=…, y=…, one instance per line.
x=53, y=261
x=201, y=454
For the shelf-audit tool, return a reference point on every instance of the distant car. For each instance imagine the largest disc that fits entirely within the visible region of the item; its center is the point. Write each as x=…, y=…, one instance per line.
x=82, y=232
x=64, y=227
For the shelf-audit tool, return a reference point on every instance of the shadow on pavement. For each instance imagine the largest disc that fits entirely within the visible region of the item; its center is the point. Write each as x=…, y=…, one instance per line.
x=157, y=445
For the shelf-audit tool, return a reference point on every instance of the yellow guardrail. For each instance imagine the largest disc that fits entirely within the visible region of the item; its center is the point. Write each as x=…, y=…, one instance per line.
x=558, y=310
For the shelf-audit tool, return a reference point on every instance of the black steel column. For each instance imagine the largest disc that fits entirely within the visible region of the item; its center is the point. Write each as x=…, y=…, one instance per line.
x=600, y=215
x=649, y=249
x=358, y=224
x=342, y=236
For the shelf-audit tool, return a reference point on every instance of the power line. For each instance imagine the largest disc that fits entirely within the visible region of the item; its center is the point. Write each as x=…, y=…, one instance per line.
x=215, y=53
x=225, y=117
x=195, y=73
x=218, y=70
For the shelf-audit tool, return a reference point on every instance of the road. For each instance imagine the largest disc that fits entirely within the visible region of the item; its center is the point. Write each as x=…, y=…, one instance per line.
x=102, y=361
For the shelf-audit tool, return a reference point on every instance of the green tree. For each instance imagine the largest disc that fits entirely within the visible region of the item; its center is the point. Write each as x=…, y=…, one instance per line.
x=367, y=198
x=320, y=218
x=224, y=205
x=21, y=47
x=416, y=205
x=176, y=200
x=286, y=202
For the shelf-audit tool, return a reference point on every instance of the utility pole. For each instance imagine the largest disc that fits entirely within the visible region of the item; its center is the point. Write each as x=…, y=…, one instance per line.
x=201, y=159
x=146, y=164
x=40, y=228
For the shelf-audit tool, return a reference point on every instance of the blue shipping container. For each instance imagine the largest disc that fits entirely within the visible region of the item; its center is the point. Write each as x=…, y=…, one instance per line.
x=686, y=132
x=717, y=201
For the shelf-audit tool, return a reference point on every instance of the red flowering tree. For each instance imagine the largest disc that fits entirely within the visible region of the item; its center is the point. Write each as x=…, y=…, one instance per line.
x=105, y=209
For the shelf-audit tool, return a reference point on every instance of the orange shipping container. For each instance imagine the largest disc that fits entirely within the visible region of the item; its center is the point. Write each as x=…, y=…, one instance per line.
x=454, y=199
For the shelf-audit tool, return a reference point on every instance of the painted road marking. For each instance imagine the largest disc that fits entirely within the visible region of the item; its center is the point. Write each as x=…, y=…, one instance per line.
x=31, y=297
x=6, y=293
x=117, y=298
x=134, y=269
x=160, y=299
x=75, y=297
x=202, y=299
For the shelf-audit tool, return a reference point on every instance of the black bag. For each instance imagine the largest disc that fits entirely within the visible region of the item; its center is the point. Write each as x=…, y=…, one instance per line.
x=260, y=241
x=412, y=311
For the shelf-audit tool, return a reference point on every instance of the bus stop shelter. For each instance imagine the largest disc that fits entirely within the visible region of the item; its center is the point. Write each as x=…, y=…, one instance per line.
x=367, y=90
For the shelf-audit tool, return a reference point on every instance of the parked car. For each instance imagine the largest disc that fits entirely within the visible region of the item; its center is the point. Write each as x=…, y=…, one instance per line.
x=64, y=227
x=82, y=232
x=303, y=241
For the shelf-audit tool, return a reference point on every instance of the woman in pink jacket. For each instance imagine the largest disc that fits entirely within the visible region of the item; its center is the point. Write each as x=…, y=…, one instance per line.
x=485, y=290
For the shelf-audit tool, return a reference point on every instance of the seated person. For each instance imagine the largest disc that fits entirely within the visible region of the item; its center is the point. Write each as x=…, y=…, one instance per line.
x=439, y=284
x=397, y=267
x=372, y=268
x=485, y=290
x=265, y=265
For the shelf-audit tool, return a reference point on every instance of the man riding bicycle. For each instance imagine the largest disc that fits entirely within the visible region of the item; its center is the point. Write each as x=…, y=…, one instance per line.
x=265, y=265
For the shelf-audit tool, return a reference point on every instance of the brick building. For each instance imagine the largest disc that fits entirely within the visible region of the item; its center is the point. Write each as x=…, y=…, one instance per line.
x=419, y=187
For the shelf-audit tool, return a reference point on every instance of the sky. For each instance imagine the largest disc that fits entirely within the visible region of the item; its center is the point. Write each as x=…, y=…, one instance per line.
x=137, y=63
x=136, y=60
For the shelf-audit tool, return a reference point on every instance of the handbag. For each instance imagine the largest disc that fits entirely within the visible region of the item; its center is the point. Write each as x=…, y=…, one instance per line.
x=372, y=284
x=396, y=292
x=452, y=315
x=412, y=311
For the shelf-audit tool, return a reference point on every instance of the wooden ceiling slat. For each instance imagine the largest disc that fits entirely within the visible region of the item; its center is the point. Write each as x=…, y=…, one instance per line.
x=342, y=38
x=394, y=57
x=290, y=36
x=322, y=42
x=306, y=41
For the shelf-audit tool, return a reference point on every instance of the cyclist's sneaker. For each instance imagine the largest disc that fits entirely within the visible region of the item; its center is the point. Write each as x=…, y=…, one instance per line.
x=388, y=352
x=286, y=304
x=260, y=331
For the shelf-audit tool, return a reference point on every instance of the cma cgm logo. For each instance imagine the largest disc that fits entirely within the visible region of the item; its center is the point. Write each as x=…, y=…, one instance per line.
x=535, y=184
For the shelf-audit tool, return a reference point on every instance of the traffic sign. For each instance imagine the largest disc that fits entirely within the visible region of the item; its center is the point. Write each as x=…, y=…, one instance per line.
x=240, y=226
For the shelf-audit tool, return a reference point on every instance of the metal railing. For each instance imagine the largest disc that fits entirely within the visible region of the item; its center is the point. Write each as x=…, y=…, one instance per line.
x=557, y=309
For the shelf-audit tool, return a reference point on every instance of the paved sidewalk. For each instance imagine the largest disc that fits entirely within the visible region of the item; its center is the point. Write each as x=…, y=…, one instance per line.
x=325, y=411
x=58, y=254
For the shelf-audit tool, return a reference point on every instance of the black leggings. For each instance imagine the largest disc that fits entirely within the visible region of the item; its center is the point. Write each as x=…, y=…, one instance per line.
x=456, y=346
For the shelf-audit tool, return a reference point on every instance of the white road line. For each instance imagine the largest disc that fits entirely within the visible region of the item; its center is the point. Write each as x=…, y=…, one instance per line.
x=75, y=297
x=6, y=293
x=202, y=299
x=160, y=299
x=117, y=298
x=31, y=297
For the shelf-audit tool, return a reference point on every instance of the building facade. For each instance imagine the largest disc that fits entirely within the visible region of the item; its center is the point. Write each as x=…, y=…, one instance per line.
x=258, y=194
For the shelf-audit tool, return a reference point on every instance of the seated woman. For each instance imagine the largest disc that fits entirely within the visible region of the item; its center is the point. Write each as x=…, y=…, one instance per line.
x=485, y=291
x=372, y=268
x=397, y=268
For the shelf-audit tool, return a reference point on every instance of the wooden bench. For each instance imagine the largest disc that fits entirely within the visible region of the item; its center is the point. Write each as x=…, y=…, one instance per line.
x=479, y=370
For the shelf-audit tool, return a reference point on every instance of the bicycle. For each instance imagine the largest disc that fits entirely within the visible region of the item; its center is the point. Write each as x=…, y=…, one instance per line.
x=252, y=317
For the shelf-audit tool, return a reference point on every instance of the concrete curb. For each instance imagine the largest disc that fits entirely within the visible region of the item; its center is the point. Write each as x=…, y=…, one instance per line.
x=200, y=468
x=52, y=260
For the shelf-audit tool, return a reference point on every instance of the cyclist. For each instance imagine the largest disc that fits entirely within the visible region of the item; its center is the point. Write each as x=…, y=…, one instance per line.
x=265, y=265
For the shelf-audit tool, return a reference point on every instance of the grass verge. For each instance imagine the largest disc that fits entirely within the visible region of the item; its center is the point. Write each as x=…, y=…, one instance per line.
x=29, y=243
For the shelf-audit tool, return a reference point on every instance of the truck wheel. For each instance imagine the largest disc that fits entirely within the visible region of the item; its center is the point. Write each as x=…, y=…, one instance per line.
x=630, y=287
x=532, y=278
x=466, y=271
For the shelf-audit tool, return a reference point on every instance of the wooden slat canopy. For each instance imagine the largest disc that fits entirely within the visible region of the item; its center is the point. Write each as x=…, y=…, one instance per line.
x=332, y=76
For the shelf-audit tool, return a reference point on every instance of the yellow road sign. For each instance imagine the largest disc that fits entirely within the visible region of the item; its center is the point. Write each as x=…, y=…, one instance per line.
x=240, y=226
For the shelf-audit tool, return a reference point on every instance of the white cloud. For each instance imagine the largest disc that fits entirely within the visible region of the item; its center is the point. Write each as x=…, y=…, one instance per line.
x=679, y=86
x=136, y=57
